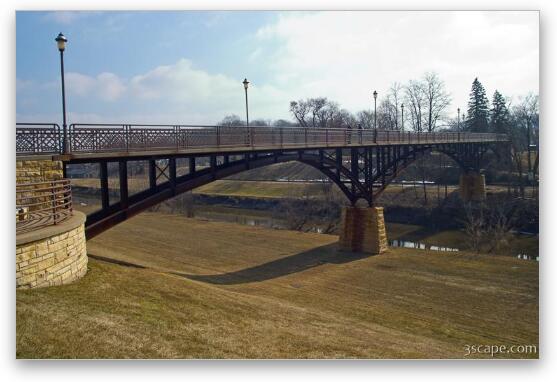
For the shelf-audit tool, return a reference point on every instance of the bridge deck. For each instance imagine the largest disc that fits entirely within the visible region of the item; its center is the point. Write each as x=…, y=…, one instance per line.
x=166, y=152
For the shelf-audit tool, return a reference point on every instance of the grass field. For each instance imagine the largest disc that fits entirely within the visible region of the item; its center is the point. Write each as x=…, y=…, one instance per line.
x=220, y=290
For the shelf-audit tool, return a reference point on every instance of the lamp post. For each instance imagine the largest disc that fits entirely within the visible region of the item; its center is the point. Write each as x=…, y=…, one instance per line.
x=246, y=83
x=375, y=109
x=530, y=173
x=458, y=119
x=402, y=116
x=61, y=41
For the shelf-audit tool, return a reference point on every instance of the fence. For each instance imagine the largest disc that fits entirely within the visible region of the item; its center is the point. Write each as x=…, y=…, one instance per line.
x=35, y=138
x=42, y=204
x=110, y=137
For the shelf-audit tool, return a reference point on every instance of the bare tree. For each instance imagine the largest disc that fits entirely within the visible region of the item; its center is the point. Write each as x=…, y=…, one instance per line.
x=283, y=123
x=523, y=131
x=365, y=118
x=501, y=213
x=318, y=112
x=232, y=120
x=386, y=115
x=437, y=99
x=300, y=111
x=332, y=201
x=395, y=97
x=474, y=225
x=260, y=122
x=295, y=210
x=415, y=99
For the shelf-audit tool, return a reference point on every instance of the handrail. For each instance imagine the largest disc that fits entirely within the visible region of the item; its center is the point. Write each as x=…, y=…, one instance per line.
x=42, y=204
x=38, y=138
x=107, y=137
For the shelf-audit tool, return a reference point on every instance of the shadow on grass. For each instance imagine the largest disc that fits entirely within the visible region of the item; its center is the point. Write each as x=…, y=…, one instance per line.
x=327, y=254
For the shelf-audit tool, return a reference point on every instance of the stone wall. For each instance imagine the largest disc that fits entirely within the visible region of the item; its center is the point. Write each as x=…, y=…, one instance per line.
x=54, y=255
x=472, y=187
x=363, y=230
x=29, y=171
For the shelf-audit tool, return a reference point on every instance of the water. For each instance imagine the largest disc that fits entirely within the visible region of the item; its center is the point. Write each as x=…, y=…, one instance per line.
x=418, y=245
x=247, y=217
x=523, y=256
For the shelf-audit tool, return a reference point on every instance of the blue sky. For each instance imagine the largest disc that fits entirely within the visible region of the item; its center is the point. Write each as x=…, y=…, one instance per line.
x=187, y=67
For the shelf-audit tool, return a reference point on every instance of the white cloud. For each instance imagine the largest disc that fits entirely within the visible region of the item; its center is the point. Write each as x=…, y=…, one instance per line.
x=110, y=86
x=178, y=93
x=346, y=55
x=200, y=91
x=105, y=86
x=66, y=17
x=341, y=55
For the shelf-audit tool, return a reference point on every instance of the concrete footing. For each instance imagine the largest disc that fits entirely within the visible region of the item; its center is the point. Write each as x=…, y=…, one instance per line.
x=363, y=230
x=472, y=187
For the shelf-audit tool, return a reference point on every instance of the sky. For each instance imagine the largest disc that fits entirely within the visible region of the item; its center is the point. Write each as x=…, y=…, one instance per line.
x=187, y=67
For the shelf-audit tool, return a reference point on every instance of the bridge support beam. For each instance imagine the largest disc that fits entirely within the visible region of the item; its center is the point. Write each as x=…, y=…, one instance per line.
x=363, y=230
x=472, y=187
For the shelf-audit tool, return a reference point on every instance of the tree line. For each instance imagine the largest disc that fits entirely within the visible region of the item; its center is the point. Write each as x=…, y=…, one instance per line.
x=421, y=105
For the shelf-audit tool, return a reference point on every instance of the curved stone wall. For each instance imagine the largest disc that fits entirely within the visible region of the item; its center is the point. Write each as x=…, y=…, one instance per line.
x=53, y=255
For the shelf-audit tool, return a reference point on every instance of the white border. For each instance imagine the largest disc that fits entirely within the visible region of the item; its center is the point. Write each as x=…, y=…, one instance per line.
x=430, y=371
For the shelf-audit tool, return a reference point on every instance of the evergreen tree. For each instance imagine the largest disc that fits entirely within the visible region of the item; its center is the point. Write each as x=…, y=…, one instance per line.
x=478, y=109
x=499, y=114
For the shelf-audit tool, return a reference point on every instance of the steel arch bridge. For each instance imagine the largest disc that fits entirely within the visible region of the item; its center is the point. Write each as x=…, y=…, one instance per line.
x=362, y=163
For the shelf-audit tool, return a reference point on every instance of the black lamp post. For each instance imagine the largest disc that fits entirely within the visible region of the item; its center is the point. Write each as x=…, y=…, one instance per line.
x=375, y=109
x=248, y=137
x=402, y=115
x=458, y=120
x=246, y=83
x=61, y=40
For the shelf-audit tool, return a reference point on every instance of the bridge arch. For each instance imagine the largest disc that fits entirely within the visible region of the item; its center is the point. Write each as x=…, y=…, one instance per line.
x=467, y=161
x=361, y=173
x=118, y=212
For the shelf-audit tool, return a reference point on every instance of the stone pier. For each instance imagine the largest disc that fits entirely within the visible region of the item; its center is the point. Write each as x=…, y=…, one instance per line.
x=472, y=187
x=29, y=170
x=363, y=230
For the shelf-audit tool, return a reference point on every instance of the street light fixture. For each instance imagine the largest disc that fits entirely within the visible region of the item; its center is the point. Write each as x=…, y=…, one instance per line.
x=61, y=41
x=402, y=116
x=375, y=109
x=246, y=83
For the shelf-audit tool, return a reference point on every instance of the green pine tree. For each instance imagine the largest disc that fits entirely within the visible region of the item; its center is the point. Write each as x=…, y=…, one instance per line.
x=478, y=109
x=499, y=114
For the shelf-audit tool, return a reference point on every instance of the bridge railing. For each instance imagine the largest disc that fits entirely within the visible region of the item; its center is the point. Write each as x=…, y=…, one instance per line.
x=42, y=204
x=111, y=137
x=38, y=138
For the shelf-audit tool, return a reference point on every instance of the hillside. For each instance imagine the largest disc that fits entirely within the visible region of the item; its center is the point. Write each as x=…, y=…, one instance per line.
x=219, y=290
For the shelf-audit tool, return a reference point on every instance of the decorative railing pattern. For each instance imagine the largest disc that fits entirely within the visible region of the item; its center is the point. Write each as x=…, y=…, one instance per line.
x=93, y=138
x=42, y=204
x=38, y=138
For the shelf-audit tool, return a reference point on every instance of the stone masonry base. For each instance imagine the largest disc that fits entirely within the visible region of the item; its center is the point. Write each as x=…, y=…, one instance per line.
x=29, y=171
x=53, y=255
x=472, y=187
x=363, y=230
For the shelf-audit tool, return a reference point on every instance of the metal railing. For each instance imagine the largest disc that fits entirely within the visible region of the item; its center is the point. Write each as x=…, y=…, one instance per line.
x=42, y=204
x=38, y=138
x=94, y=138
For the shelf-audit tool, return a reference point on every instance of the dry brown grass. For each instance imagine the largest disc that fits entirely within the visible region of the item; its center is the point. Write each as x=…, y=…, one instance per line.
x=248, y=292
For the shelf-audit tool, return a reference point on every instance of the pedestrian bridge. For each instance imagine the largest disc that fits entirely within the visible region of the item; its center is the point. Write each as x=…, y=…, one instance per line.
x=360, y=162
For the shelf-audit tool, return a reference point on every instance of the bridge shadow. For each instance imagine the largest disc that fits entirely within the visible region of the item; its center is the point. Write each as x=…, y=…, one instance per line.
x=327, y=254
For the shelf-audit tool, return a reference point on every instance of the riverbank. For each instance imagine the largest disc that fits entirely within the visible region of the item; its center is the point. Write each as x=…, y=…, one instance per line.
x=222, y=290
x=438, y=225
